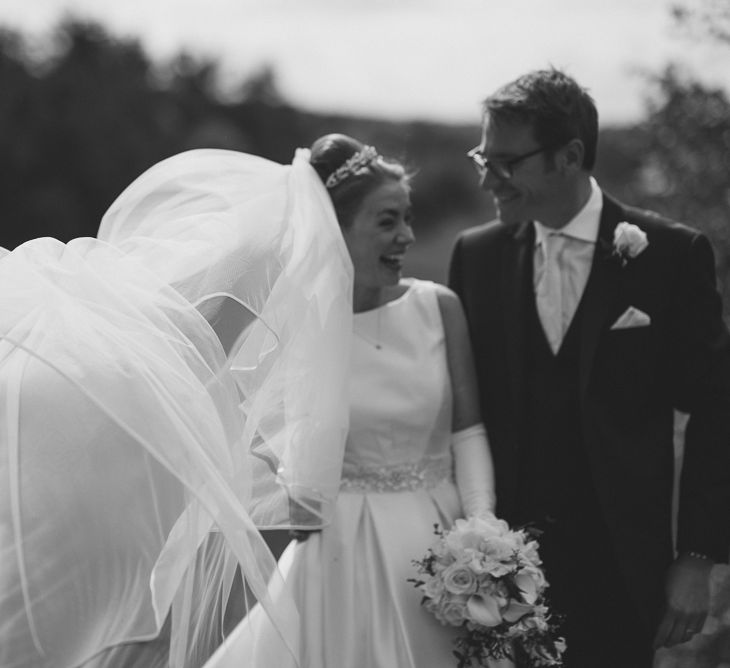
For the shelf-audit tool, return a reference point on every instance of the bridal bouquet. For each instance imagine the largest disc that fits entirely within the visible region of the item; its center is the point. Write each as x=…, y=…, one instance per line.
x=484, y=577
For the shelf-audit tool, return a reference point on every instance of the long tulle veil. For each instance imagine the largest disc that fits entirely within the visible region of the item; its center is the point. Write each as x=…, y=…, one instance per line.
x=165, y=390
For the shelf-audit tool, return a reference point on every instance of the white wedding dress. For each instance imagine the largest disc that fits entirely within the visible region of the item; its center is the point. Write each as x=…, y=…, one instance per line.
x=156, y=408
x=350, y=581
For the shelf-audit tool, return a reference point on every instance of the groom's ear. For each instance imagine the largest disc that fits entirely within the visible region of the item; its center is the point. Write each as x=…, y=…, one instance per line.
x=571, y=156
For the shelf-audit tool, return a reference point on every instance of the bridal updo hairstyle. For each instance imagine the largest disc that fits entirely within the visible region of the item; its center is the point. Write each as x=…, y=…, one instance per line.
x=330, y=152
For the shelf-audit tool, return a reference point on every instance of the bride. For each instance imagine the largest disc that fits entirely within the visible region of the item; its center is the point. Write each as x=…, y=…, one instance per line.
x=156, y=408
x=414, y=423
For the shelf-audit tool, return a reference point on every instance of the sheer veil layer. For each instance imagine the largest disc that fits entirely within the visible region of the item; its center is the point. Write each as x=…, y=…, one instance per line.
x=157, y=405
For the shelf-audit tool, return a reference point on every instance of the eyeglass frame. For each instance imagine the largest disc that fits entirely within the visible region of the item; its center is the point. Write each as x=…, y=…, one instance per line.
x=502, y=169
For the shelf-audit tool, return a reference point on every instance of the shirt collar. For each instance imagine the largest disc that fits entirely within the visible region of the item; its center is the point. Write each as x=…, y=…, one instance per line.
x=584, y=225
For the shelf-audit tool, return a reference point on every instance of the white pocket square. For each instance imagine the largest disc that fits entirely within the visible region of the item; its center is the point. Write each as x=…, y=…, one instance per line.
x=632, y=317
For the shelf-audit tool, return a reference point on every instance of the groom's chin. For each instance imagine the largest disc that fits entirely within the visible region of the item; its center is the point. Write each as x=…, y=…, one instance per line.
x=509, y=217
x=506, y=213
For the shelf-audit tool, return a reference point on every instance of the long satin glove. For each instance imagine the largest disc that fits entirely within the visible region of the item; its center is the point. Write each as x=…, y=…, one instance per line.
x=474, y=471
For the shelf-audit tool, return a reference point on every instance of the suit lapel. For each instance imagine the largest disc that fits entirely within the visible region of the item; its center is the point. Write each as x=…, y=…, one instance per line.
x=601, y=289
x=516, y=272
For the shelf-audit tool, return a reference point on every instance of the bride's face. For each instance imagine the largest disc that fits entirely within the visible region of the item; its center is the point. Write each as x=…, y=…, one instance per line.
x=379, y=235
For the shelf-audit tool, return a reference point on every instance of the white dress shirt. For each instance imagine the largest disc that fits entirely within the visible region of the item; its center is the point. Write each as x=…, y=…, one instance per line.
x=562, y=264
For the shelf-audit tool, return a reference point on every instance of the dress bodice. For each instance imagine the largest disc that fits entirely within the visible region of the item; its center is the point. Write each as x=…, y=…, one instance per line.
x=400, y=391
x=351, y=580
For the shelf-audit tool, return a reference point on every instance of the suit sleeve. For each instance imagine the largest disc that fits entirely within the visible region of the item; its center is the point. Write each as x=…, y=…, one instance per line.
x=702, y=354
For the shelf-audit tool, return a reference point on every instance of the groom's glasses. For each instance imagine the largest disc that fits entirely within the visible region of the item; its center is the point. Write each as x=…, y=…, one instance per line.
x=502, y=169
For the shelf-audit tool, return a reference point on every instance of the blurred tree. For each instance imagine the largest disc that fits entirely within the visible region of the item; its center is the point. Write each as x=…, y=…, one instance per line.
x=76, y=128
x=686, y=155
x=704, y=18
x=620, y=161
x=82, y=116
x=102, y=120
x=262, y=86
x=17, y=107
x=685, y=172
x=445, y=183
x=688, y=159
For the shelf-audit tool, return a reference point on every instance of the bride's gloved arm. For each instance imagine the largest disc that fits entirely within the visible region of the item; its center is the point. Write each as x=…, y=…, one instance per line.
x=472, y=457
x=474, y=471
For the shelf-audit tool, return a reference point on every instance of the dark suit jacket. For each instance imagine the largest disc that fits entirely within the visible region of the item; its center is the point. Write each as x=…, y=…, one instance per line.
x=631, y=380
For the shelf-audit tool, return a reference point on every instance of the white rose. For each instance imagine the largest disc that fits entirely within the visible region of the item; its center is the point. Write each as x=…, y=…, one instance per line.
x=629, y=240
x=489, y=525
x=451, y=611
x=480, y=566
x=433, y=588
x=462, y=537
x=459, y=579
x=493, y=568
x=530, y=553
x=499, y=549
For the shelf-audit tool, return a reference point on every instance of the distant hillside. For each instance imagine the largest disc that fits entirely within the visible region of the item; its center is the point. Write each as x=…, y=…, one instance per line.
x=80, y=121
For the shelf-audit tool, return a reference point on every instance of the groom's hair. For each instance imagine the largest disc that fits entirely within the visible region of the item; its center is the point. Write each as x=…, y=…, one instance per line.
x=556, y=106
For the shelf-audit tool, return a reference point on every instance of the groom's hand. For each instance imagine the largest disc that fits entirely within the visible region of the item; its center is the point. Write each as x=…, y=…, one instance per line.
x=688, y=600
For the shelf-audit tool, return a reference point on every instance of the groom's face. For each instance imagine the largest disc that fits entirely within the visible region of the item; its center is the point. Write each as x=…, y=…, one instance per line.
x=530, y=192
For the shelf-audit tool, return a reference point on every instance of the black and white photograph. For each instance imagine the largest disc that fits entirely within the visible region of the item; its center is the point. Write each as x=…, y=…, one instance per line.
x=364, y=334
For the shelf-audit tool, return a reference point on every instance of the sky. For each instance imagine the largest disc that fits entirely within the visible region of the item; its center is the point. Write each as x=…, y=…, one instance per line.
x=405, y=59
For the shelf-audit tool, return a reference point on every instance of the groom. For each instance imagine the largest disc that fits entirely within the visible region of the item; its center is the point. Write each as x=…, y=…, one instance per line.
x=591, y=322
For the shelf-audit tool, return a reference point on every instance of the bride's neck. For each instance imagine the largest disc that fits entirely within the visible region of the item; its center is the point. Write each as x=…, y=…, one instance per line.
x=366, y=298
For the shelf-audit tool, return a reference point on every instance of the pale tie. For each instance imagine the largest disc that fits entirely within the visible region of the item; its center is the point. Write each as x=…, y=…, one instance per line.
x=549, y=290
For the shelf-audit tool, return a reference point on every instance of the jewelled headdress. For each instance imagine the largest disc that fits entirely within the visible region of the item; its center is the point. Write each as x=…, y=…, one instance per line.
x=354, y=165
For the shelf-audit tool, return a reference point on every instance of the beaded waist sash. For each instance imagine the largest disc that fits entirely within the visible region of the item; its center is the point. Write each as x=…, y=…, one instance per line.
x=411, y=476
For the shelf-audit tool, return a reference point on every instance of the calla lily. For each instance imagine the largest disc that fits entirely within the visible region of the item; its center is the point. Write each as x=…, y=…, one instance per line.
x=527, y=586
x=516, y=610
x=484, y=610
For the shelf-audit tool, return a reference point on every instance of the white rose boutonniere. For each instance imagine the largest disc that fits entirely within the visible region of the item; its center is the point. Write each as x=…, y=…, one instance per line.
x=629, y=241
